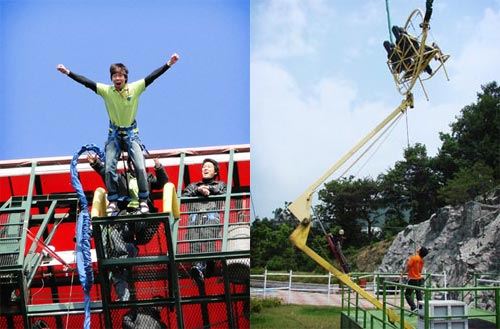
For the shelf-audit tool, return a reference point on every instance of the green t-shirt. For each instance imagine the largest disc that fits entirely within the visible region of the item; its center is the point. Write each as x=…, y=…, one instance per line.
x=122, y=105
x=133, y=192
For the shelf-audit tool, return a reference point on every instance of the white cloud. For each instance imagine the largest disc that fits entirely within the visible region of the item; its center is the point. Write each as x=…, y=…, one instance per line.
x=280, y=30
x=287, y=28
x=478, y=61
x=297, y=135
x=367, y=14
x=301, y=126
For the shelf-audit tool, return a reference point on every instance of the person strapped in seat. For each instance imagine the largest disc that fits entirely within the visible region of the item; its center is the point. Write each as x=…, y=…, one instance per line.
x=207, y=214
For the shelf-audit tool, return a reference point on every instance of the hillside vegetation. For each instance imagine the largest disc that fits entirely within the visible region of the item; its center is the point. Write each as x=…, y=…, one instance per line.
x=408, y=193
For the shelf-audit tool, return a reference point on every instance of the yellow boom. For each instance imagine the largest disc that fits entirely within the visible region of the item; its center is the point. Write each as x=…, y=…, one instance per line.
x=405, y=81
x=301, y=209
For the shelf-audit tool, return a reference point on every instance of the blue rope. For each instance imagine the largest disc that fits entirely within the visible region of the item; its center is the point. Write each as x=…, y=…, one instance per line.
x=83, y=233
x=388, y=20
x=75, y=180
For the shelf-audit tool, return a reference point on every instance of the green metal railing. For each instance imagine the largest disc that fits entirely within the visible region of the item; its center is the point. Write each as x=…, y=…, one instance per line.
x=20, y=262
x=351, y=304
x=17, y=263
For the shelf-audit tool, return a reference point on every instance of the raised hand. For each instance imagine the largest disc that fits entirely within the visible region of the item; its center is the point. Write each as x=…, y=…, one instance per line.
x=92, y=157
x=61, y=68
x=173, y=59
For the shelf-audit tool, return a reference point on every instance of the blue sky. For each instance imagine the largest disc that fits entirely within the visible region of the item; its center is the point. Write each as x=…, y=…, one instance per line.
x=319, y=83
x=202, y=101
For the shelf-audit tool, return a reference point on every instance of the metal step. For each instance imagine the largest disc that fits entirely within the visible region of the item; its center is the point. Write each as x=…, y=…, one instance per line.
x=12, y=210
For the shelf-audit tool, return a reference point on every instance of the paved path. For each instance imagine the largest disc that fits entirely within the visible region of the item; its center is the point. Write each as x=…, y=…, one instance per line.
x=307, y=298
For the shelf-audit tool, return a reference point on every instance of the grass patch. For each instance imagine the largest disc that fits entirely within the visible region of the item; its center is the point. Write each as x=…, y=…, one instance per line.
x=257, y=304
x=296, y=316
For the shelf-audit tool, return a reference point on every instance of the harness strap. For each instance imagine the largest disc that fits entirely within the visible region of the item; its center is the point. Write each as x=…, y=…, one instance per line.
x=123, y=134
x=123, y=130
x=126, y=134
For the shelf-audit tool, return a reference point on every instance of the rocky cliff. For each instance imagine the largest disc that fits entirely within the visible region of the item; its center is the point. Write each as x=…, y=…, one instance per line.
x=463, y=240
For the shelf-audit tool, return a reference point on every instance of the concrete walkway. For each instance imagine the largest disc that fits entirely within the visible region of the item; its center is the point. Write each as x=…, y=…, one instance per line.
x=307, y=298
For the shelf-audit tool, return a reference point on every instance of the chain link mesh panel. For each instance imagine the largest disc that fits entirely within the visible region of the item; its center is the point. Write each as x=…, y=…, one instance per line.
x=210, y=294
x=134, y=239
x=11, y=321
x=9, y=244
x=213, y=290
x=201, y=225
x=10, y=299
x=155, y=316
x=60, y=287
x=66, y=321
x=241, y=311
x=206, y=315
x=139, y=282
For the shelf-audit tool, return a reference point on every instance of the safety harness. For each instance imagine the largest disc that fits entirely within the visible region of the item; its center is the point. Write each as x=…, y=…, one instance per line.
x=124, y=134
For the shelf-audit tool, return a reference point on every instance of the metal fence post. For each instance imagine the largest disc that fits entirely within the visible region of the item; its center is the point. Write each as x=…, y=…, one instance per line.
x=445, y=279
x=329, y=282
x=265, y=282
x=497, y=306
x=427, y=296
x=475, y=291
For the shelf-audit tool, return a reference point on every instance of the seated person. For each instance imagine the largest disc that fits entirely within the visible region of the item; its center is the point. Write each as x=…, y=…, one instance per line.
x=206, y=187
x=121, y=240
x=397, y=64
x=409, y=46
x=128, y=190
x=144, y=317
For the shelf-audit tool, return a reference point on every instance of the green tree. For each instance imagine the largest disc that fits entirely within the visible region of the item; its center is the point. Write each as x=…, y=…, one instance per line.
x=468, y=183
x=347, y=202
x=394, y=223
x=259, y=250
x=271, y=247
x=467, y=165
x=475, y=136
x=411, y=186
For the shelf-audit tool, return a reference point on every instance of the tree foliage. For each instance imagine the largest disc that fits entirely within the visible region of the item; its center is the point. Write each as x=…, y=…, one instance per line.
x=271, y=248
x=466, y=166
x=468, y=183
x=347, y=203
x=475, y=136
x=411, y=185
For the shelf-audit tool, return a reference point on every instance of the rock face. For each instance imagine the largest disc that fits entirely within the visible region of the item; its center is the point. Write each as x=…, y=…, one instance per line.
x=462, y=240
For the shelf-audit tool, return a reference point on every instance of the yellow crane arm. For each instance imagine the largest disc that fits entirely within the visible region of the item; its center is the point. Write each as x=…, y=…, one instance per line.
x=300, y=235
x=301, y=207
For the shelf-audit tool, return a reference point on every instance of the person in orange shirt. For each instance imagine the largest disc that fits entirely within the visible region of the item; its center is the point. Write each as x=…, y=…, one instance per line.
x=414, y=267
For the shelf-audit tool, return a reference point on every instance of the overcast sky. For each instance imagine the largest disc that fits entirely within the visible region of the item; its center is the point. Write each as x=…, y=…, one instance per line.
x=319, y=83
x=202, y=101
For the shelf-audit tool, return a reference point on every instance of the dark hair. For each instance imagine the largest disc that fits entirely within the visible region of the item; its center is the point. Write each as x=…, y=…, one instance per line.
x=215, y=163
x=118, y=68
x=423, y=252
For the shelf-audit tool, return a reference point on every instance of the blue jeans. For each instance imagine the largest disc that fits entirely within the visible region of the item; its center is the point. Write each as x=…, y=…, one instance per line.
x=196, y=233
x=120, y=277
x=134, y=149
x=115, y=245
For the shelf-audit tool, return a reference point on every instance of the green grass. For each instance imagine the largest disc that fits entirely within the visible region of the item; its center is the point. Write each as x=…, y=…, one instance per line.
x=296, y=316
